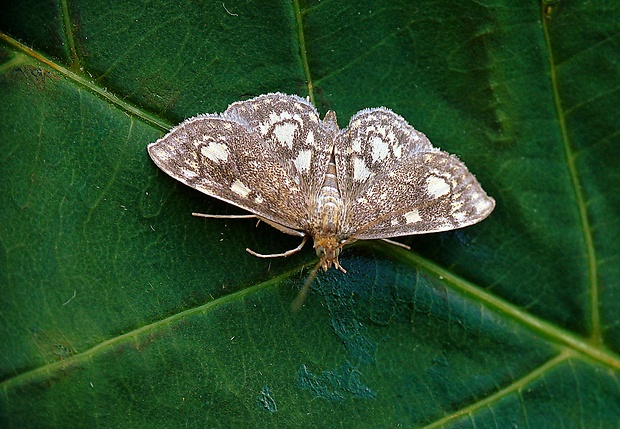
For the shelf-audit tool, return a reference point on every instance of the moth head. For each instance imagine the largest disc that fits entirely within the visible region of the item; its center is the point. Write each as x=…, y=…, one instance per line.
x=328, y=249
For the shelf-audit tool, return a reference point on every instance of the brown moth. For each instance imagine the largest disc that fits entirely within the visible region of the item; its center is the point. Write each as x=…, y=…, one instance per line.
x=273, y=156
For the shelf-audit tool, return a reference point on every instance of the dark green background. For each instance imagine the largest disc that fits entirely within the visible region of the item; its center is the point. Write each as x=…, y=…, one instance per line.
x=120, y=309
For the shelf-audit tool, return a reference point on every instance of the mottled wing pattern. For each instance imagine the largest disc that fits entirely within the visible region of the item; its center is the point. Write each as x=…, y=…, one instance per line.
x=229, y=161
x=292, y=131
x=394, y=182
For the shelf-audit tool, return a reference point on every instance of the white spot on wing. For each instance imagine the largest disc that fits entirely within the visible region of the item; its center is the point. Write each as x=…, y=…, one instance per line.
x=285, y=133
x=189, y=173
x=397, y=149
x=483, y=205
x=216, y=152
x=380, y=149
x=413, y=216
x=263, y=127
x=274, y=117
x=310, y=138
x=302, y=162
x=160, y=153
x=437, y=186
x=360, y=171
x=240, y=189
x=459, y=216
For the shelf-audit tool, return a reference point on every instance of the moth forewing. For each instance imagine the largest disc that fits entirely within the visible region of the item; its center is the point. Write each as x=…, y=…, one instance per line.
x=223, y=159
x=436, y=195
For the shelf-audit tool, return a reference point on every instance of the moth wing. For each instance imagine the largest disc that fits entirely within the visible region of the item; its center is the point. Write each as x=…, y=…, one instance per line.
x=291, y=130
x=226, y=160
x=394, y=182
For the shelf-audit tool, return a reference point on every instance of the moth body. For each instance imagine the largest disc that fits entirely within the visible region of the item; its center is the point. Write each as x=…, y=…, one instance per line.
x=324, y=223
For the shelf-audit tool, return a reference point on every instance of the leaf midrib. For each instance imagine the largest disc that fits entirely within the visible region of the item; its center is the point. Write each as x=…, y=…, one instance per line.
x=82, y=81
x=302, y=50
x=542, y=327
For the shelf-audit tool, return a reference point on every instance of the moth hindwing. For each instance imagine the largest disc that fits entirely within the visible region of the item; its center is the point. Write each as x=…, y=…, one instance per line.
x=273, y=156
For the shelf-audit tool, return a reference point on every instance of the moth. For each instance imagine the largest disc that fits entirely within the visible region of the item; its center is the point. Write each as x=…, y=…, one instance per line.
x=273, y=156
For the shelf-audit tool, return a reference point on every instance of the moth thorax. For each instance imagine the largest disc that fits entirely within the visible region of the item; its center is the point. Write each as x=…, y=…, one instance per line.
x=327, y=249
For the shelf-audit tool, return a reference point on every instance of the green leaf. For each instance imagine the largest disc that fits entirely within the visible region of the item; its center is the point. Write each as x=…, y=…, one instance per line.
x=120, y=309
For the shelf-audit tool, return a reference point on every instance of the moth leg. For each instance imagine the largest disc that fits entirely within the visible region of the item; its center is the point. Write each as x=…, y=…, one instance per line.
x=282, y=228
x=280, y=255
x=210, y=216
x=396, y=243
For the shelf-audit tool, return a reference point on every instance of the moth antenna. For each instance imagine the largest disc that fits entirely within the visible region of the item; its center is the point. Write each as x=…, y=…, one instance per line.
x=210, y=216
x=298, y=302
x=396, y=243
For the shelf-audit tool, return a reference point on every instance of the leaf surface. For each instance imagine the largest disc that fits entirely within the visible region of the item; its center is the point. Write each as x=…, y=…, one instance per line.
x=120, y=309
